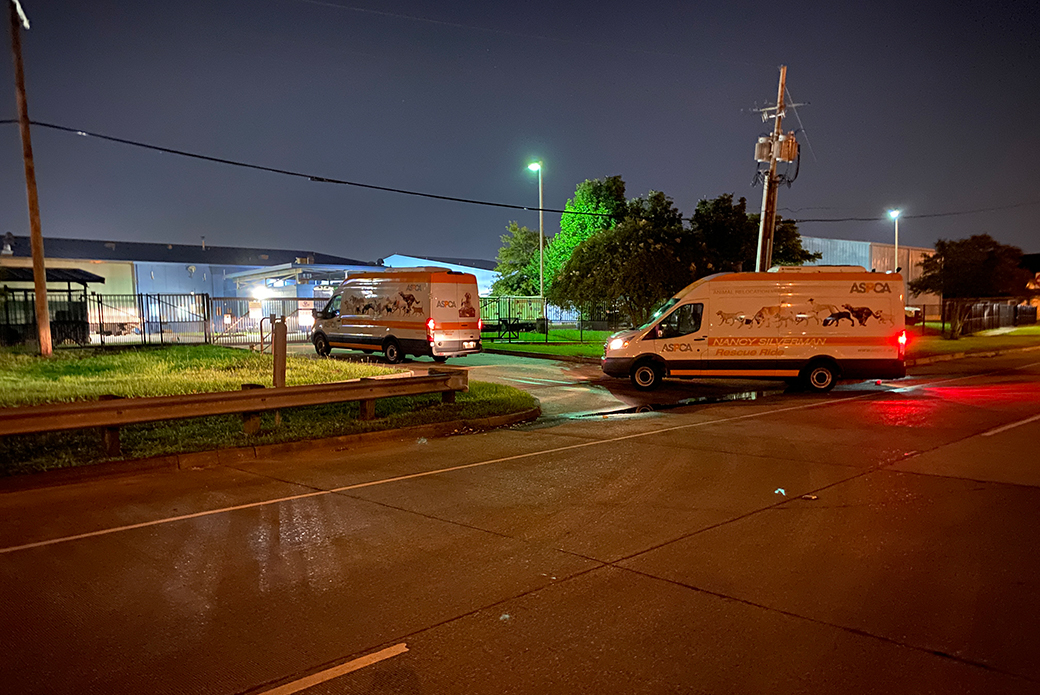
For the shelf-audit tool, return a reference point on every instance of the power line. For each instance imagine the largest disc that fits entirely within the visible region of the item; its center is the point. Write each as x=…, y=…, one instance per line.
x=302, y=175
x=923, y=216
x=469, y=201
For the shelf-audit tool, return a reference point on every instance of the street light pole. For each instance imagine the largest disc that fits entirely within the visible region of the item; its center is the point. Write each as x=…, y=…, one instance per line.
x=537, y=166
x=894, y=214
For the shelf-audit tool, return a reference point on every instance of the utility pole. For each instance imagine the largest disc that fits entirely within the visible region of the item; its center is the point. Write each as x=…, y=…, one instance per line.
x=764, y=258
x=43, y=319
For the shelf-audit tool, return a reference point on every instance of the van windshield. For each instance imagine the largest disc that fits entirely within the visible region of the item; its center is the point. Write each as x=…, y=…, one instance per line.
x=657, y=314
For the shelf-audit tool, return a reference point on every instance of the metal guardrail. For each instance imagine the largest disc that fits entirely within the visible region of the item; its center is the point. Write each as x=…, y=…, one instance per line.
x=112, y=414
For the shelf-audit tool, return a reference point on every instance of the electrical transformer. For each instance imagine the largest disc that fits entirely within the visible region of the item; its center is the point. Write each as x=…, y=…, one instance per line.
x=788, y=149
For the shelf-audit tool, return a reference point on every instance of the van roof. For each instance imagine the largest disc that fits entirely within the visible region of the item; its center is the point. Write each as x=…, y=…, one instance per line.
x=817, y=269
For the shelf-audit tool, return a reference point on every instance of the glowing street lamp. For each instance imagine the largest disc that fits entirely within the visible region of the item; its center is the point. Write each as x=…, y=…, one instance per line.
x=537, y=166
x=894, y=214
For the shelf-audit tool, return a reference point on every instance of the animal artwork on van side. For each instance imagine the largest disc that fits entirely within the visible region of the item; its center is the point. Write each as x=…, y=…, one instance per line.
x=860, y=313
x=731, y=319
x=782, y=315
x=411, y=303
x=883, y=319
x=822, y=309
x=837, y=316
x=467, y=310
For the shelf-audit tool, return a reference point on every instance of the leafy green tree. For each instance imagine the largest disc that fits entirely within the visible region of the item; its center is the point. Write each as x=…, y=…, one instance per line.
x=603, y=201
x=644, y=258
x=519, y=248
x=968, y=269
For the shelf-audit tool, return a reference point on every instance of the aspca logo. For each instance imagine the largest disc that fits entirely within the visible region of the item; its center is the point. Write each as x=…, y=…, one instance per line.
x=446, y=303
x=677, y=347
x=870, y=287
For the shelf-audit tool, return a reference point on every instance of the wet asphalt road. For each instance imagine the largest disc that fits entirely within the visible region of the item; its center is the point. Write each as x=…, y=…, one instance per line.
x=880, y=539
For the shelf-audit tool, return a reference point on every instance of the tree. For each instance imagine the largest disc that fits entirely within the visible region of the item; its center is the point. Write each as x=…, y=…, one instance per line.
x=787, y=243
x=643, y=259
x=727, y=236
x=519, y=248
x=603, y=201
x=968, y=269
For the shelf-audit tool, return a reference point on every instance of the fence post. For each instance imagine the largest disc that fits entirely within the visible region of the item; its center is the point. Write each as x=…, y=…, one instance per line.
x=251, y=420
x=110, y=435
x=207, y=312
x=159, y=307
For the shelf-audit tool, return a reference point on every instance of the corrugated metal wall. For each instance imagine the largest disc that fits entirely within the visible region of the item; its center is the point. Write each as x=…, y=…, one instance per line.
x=839, y=251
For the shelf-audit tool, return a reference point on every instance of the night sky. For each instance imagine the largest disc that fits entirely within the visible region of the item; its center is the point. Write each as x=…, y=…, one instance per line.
x=931, y=107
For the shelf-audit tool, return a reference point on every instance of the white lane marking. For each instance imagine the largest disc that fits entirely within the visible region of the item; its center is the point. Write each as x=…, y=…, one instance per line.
x=1013, y=425
x=320, y=493
x=337, y=671
x=357, y=486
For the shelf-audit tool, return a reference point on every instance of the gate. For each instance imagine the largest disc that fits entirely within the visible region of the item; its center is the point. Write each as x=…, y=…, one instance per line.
x=236, y=320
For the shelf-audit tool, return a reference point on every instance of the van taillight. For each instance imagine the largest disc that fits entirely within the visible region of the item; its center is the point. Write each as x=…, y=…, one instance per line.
x=430, y=325
x=901, y=341
x=480, y=325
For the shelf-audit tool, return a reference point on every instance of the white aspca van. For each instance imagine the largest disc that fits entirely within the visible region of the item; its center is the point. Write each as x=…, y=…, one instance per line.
x=814, y=324
x=402, y=311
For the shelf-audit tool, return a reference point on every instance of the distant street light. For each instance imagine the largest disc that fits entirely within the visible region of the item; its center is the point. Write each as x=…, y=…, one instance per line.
x=894, y=214
x=537, y=166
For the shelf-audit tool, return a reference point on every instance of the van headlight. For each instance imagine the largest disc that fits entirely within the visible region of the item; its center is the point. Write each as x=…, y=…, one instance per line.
x=617, y=344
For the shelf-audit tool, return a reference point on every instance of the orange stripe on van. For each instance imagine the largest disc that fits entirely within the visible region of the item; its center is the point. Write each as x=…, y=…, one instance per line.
x=801, y=341
x=419, y=324
x=734, y=372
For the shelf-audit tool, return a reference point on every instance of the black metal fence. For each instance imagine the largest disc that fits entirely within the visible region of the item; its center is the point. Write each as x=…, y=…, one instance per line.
x=82, y=319
x=982, y=315
x=532, y=319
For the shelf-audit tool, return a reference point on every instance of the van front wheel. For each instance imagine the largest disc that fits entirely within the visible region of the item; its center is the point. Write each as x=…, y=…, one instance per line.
x=392, y=350
x=820, y=377
x=321, y=345
x=647, y=376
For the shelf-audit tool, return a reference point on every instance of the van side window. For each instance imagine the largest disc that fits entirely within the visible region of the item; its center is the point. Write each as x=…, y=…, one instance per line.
x=683, y=321
x=331, y=309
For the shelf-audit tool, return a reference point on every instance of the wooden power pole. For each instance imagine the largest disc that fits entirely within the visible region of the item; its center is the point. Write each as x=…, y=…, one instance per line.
x=764, y=259
x=43, y=319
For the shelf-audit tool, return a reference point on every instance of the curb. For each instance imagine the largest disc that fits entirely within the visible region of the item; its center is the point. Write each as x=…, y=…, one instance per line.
x=228, y=457
x=545, y=356
x=931, y=359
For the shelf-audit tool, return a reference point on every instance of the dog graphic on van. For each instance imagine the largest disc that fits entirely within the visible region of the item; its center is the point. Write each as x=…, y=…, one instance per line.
x=833, y=319
x=860, y=313
x=467, y=310
x=824, y=310
x=730, y=319
x=412, y=305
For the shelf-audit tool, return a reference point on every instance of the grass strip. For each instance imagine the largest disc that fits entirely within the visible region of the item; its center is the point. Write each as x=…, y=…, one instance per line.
x=83, y=375
x=70, y=375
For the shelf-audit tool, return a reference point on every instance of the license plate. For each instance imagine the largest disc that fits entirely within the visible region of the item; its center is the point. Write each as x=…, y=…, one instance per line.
x=469, y=344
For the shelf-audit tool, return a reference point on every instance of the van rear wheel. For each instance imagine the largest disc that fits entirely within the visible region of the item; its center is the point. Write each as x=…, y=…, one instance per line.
x=820, y=377
x=647, y=375
x=392, y=350
x=440, y=358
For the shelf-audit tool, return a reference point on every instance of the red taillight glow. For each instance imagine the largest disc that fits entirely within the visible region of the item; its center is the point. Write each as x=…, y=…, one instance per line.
x=902, y=339
x=480, y=325
x=430, y=325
